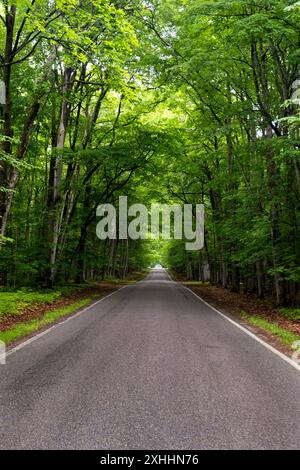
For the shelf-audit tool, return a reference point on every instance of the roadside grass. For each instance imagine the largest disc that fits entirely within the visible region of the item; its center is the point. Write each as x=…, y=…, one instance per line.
x=25, y=328
x=196, y=283
x=290, y=313
x=13, y=303
x=286, y=336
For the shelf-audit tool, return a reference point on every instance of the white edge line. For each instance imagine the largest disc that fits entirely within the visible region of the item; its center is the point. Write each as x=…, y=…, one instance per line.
x=56, y=325
x=252, y=335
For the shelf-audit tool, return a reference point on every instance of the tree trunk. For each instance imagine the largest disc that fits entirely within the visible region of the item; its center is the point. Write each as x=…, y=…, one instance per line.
x=56, y=209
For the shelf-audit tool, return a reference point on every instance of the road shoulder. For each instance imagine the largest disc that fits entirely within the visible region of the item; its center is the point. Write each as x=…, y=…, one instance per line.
x=259, y=317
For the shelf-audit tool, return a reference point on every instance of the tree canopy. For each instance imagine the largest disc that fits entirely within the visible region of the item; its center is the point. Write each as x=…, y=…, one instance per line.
x=175, y=101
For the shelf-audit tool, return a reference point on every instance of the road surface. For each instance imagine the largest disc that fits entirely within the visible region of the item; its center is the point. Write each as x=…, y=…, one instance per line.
x=150, y=367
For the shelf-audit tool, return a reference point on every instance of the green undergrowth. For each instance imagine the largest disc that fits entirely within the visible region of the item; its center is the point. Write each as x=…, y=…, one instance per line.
x=25, y=328
x=196, y=283
x=286, y=336
x=15, y=302
x=290, y=313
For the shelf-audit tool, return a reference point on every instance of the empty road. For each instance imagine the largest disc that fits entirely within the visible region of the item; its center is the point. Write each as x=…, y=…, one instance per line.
x=149, y=367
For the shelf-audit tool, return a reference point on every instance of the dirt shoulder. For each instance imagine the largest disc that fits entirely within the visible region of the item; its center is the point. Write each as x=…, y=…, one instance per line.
x=37, y=310
x=243, y=308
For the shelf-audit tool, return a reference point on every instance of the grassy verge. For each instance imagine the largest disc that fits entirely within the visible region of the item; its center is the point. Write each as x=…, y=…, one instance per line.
x=15, y=302
x=25, y=311
x=286, y=336
x=290, y=313
x=281, y=325
x=25, y=328
x=196, y=283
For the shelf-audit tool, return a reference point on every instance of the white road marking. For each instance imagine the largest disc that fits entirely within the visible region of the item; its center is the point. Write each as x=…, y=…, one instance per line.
x=245, y=330
x=53, y=327
x=249, y=333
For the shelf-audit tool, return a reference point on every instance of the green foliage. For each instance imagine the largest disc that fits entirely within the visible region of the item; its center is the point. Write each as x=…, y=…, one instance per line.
x=164, y=101
x=285, y=335
x=14, y=303
x=25, y=328
x=290, y=313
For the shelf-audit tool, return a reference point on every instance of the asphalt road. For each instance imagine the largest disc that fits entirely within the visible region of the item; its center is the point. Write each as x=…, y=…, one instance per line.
x=150, y=367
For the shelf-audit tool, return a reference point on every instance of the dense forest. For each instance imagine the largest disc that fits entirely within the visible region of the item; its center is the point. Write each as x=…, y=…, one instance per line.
x=174, y=101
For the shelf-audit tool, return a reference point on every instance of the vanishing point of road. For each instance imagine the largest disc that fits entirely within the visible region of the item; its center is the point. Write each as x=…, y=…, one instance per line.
x=149, y=367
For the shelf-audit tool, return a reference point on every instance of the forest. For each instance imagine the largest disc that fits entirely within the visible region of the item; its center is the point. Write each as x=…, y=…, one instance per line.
x=163, y=101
